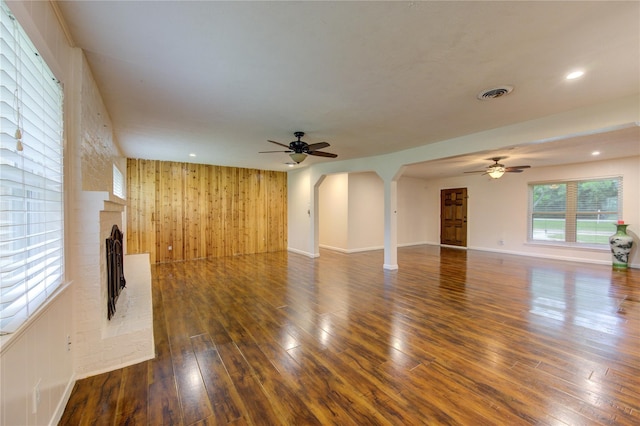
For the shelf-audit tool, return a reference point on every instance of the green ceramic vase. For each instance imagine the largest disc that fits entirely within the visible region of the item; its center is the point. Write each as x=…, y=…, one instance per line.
x=620, y=244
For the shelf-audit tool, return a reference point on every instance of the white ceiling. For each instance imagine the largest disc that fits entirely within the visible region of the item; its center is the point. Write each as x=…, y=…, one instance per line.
x=618, y=143
x=220, y=78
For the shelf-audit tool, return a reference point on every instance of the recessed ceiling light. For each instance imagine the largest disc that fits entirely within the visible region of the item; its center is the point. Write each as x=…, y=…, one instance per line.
x=575, y=74
x=595, y=153
x=192, y=155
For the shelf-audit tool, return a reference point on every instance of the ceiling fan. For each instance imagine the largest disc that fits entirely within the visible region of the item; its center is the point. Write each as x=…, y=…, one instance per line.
x=300, y=149
x=496, y=170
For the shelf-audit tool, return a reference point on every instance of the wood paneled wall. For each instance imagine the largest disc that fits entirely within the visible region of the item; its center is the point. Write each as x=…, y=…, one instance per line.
x=203, y=211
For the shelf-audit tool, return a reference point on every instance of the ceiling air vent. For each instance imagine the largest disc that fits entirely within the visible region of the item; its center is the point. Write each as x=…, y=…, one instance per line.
x=496, y=92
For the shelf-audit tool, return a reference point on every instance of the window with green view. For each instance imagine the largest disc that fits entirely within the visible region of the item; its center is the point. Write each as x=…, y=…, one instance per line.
x=575, y=211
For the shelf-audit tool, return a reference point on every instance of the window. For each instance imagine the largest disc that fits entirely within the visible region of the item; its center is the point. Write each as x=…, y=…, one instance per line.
x=31, y=185
x=575, y=211
x=118, y=182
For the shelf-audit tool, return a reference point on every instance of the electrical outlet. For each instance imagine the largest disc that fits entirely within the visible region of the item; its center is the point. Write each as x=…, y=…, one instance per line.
x=170, y=248
x=36, y=398
x=68, y=343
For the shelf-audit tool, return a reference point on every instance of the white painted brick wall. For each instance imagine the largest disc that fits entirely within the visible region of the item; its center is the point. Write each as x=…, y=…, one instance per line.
x=102, y=345
x=98, y=148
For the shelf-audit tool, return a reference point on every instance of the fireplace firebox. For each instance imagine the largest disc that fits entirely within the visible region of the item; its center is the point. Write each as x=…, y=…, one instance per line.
x=115, y=269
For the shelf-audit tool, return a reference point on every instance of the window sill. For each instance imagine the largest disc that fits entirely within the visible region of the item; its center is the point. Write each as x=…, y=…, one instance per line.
x=7, y=340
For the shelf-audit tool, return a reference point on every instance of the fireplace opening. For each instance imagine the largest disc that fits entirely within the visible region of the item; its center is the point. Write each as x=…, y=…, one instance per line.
x=115, y=269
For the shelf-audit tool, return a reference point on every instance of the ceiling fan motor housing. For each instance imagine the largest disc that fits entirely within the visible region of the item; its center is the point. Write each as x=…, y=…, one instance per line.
x=299, y=146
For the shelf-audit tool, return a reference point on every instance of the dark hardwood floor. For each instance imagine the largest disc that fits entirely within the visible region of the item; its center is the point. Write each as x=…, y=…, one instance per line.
x=452, y=337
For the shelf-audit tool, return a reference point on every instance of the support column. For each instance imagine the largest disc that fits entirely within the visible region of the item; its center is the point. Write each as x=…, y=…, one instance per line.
x=314, y=214
x=390, y=224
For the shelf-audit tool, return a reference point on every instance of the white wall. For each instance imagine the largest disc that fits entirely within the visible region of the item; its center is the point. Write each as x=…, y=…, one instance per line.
x=333, y=207
x=299, y=214
x=414, y=208
x=366, y=212
x=38, y=356
x=351, y=212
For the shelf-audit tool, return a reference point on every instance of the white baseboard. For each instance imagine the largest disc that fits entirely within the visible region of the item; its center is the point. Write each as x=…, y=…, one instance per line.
x=454, y=247
x=347, y=251
x=548, y=256
x=338, y=249
x=362, y=249
x=431, y=243
x=304, y=253
x=419, y=243
x=62, y=404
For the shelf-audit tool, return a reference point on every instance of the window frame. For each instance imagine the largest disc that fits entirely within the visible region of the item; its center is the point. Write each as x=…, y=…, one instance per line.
x=118, y=183
x=571, y=212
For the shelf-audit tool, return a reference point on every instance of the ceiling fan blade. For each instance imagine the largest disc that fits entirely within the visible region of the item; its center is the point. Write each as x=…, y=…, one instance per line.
x=278, y=143
x=477, y=171
x=511, y=170
x=267, y=152
x=518, y=167
x=317, y=146
x=322, y=154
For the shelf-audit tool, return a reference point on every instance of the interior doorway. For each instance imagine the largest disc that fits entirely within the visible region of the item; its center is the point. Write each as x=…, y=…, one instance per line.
x=453, y=217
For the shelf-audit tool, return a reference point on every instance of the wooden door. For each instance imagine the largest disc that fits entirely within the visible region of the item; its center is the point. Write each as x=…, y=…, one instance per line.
x=453, y=217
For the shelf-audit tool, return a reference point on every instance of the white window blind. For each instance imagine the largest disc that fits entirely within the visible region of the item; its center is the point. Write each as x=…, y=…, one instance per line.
x=31, y=177
x=118, y=182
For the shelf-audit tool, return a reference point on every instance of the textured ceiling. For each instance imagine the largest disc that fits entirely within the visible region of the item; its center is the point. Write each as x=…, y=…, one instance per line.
x=218, y=79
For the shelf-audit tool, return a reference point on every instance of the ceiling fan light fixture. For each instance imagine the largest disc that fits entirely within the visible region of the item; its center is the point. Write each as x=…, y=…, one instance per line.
x=298, y=157
x=496, y=171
